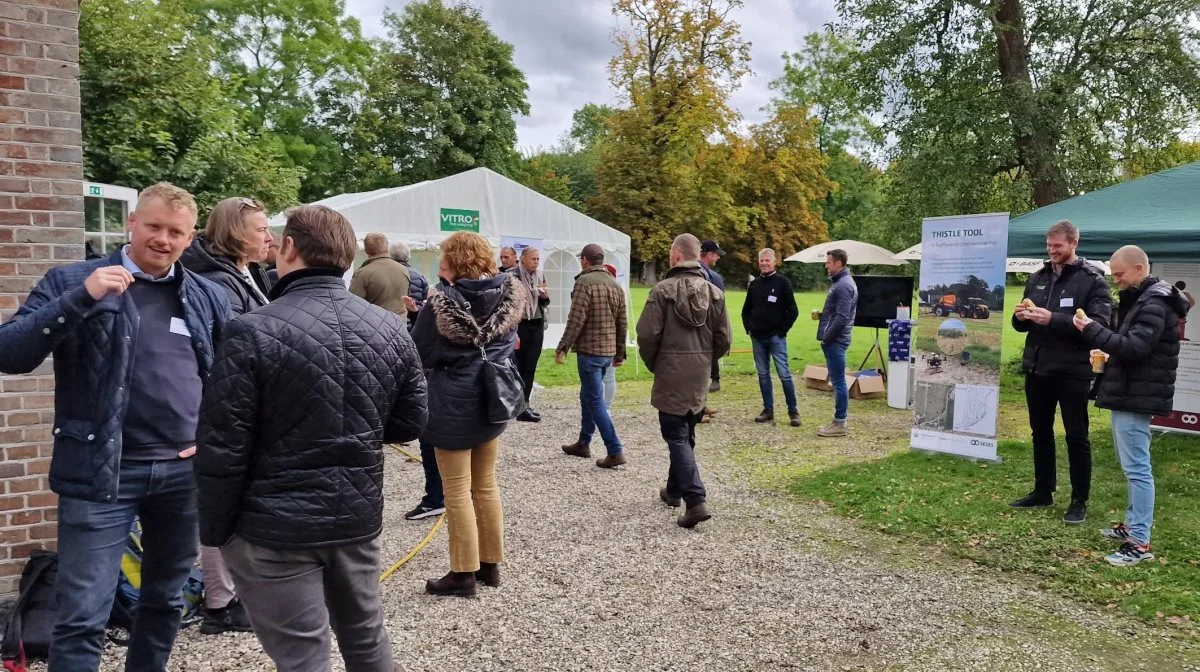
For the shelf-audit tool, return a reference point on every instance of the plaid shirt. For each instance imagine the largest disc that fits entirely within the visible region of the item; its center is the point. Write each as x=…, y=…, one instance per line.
x=598, y=324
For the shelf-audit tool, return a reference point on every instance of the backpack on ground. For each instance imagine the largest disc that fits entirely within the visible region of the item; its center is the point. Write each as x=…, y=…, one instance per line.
x=129, y=589
x=31, y=623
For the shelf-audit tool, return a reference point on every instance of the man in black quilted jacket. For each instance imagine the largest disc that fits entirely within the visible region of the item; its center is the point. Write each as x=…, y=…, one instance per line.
x=303, y=394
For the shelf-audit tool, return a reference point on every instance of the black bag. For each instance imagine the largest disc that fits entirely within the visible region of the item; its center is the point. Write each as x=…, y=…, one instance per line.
x=503, y=393
x=31, y=623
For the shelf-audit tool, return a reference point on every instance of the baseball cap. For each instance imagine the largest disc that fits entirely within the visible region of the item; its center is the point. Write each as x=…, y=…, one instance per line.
x=712, y=246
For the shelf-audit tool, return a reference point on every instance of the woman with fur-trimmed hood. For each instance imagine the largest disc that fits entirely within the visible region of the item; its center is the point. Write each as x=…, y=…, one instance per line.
x=477, y=308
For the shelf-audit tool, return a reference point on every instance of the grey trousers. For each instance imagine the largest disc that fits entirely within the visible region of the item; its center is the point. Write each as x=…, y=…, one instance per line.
x=293, y=598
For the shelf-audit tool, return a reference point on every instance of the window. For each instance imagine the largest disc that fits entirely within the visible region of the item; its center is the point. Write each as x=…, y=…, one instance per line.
x=560, y=268
x=104, y=223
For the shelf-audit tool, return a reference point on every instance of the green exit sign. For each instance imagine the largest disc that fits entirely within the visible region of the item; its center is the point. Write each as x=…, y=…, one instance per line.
x=95, y=190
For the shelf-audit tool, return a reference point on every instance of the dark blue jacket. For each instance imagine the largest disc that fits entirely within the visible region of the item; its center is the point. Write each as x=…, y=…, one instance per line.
x=713, y=276
x=837, y=318
x=93, y=344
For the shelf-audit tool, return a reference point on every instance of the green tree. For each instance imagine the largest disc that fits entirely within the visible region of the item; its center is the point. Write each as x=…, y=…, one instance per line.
x=153, y=110
x=443, y=95
x=294, y=65
x=1041, y=92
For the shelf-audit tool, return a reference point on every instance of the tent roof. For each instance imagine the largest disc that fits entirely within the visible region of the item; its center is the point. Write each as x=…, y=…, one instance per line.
x=1159, y=212
x=860, y=253
x=506, y=208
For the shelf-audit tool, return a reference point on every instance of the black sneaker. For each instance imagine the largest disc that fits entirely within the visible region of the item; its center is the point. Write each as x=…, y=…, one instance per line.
x=231, y=618
x=424, y=512
x=1033, y=501
x=1076, y=512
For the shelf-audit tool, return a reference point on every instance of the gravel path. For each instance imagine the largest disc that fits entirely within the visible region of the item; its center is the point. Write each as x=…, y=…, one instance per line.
x=598, y=577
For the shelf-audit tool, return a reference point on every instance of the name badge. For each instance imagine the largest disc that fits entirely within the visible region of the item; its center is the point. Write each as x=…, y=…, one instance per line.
x=1066, y=302
x=772, y=299
x=178, y=327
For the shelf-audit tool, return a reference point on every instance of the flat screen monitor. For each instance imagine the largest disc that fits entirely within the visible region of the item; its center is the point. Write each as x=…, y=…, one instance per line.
x=878, y=298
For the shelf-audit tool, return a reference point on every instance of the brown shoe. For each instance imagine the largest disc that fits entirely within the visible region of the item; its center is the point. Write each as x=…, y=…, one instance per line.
x=670, y=501
x=488, y=574
x=696, y=514
x=765, y=416
x=795, y=419
x=611, y=461
x=834, y=428
x=578, y=449
x=458, y=584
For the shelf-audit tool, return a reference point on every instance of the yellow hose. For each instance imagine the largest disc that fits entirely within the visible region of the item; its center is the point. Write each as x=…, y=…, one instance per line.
x=424, y=542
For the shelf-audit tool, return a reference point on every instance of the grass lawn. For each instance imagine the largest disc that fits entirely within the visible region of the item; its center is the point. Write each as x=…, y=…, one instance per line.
x=960, y=507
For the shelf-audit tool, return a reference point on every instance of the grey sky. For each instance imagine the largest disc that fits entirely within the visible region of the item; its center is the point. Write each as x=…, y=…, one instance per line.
x=563, y=47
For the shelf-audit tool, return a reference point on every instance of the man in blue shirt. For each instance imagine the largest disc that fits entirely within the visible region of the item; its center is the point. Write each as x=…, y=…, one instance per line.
x=132, y=337
x=710, y=253
x=834, y=329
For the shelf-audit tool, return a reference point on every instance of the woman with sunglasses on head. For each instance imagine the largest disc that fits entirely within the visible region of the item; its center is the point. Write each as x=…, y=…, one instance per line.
x=230, y=249
x=235, y=240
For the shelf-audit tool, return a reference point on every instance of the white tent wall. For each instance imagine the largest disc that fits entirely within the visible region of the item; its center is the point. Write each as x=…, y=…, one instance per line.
x=413, y=215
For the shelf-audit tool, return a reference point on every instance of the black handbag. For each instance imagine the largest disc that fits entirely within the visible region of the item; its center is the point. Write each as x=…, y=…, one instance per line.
x=503, y=393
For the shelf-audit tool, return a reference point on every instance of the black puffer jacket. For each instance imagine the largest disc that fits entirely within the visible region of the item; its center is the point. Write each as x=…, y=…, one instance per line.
x=1058, y=349
x=451, y=324
x=1143, y=352
x=302, y=396
x=200, y=259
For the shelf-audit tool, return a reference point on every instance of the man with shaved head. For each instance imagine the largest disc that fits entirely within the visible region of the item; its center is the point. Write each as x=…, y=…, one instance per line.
x=596, y=330
x=1057, y=367
x=682, y=331
x=1138, y=383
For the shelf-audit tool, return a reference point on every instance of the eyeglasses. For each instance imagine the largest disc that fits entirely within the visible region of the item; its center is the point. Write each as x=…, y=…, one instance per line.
x=250, y=204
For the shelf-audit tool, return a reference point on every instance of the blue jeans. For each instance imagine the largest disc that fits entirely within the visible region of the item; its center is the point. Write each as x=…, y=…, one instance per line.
x=610, y=387
x=766, y=350
x=835, y=362
x=1131, y=436
x=592, y=370
x=91, y=538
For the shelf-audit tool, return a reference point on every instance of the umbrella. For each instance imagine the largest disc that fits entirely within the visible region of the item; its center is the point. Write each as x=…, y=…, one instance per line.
x=1013, y=265
x=860, y=253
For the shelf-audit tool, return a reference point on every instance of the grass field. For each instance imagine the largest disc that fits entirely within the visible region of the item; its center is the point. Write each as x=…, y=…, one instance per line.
x=958, y=507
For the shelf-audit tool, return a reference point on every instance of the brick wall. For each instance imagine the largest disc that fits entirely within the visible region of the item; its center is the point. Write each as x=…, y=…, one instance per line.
x=41, y=225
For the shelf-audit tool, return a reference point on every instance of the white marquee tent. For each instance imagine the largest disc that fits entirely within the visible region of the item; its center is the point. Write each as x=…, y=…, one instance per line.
x=503, y=211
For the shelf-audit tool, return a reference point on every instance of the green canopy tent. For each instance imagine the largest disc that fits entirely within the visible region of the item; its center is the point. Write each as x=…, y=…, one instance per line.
x=1159, y=213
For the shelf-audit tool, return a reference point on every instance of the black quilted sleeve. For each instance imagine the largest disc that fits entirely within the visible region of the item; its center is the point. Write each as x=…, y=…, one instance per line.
x=410, y=412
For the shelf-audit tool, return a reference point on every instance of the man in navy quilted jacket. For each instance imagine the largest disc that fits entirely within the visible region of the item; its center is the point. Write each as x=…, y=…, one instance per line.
x=303, y=394
x=132, y=336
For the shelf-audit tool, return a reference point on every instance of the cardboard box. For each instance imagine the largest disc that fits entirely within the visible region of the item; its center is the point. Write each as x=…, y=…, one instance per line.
x=817, y=378
x=871, y=386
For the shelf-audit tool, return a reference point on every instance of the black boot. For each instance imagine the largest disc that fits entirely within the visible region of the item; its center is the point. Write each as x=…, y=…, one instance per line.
x=765, y=416
x=488, y=574
x=460, y=584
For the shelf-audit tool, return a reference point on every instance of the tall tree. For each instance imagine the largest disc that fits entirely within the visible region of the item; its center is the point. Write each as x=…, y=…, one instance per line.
x=292, y=64
x=1045, y=92
x=444, y=94
x=153, y=110
x=676, y=67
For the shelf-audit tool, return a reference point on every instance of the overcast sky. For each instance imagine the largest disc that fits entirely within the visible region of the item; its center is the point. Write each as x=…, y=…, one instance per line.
x=563, y=47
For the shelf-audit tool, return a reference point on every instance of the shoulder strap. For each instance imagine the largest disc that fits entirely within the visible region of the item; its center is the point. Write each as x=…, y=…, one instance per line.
x=36, y=567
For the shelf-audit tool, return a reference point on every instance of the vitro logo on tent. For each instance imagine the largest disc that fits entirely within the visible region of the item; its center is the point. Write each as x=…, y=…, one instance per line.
x=460, y=220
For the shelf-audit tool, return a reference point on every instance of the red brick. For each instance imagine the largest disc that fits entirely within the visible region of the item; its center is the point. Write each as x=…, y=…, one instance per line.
x=25, y=550
x=49, y=136
x=39, y=186
x=12, y=82
x=13, y=503
x=37, y=434
x=19, y=384
x=12, y=469
x=65, y=188
x=6, y=235
x=22, y=419
x=45, y=384
x=43, y=68
x=38, y=466
x=43, y=531
x=10, y=115
x=40, y=101
x=61, y=52
x=62, y=19
x=16, y=252
x=12, y=47
x=8, y=269
x=10, y=403
x=39, y=218
x=14, y=535
x=68, y=252
x=16, y=185
x=25, y=518
x=50, y=515
x=42, y=500
x=67, y=219
x=23, y=485
x=23, y=452
x=9, y=301
x=36, y=235
x=36, y=269
x=57, y=203
x=50, y=170
x=14, y=218
x=50, y=35
x=14, y=151
x=39, y=400
x=12, y=569
x=33, y=15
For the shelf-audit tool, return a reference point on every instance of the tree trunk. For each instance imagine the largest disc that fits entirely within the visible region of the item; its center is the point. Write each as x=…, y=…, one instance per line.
x=1036, y=142
x=650, y=272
